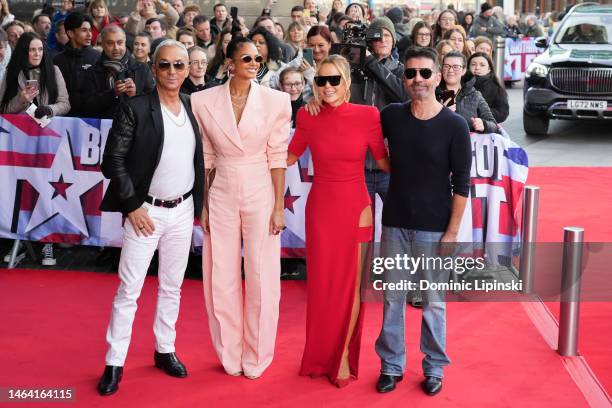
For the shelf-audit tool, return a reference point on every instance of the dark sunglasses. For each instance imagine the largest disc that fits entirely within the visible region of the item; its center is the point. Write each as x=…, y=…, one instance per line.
x=411, y=73
x=165, y=65
x=247, y=58
x=334, y=80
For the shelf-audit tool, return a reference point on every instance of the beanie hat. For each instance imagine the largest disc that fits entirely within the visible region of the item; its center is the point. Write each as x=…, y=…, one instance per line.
x=396, y=15
x=384, y=22
x=485, y=6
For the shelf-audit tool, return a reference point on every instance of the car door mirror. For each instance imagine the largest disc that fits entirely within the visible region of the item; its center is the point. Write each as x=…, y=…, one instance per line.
x=541, y=42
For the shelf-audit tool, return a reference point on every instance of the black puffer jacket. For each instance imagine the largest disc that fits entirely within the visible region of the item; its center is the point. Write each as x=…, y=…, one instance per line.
x=73, y=63
x=495, y=95
x=470, y=104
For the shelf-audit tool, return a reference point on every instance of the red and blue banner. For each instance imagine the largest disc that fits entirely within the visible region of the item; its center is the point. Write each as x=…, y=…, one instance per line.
x=52, y=187
x=519, y=54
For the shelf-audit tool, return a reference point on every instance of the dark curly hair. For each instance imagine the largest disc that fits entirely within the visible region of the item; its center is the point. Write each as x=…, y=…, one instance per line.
x=274, y=49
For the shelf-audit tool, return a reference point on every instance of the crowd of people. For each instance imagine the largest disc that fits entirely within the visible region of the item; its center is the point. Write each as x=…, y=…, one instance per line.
x=421, y=81
x=82, y=61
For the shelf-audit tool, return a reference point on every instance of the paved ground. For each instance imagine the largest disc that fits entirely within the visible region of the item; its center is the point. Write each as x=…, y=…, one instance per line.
x=568, y=143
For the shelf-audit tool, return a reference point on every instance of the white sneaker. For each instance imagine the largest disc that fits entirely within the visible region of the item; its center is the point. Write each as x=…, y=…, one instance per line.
x=48, y=258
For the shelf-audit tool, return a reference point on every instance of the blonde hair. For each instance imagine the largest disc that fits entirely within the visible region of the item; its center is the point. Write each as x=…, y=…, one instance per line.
x=343, y=67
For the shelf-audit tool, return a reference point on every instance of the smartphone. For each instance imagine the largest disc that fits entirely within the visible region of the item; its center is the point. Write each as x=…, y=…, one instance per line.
x=307, y=53
x=234, y=13
x=32, y=83
x=306, y=13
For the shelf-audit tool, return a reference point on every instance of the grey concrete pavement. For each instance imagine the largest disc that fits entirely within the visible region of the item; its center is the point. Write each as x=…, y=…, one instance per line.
x=569, y=143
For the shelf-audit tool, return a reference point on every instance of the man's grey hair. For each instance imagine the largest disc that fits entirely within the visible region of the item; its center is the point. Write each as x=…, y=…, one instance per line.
x=166, y=44
x=111, y=29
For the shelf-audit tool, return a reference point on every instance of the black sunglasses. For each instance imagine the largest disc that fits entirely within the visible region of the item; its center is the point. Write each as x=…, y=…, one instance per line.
x=247, y=58
x=165, y=65
x=411, y=73
x=334, y=80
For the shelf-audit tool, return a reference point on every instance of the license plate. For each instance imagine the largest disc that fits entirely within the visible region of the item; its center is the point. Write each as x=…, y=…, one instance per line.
x=587, y=105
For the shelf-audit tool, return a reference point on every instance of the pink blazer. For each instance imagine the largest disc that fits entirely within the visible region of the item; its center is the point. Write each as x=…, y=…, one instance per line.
x=263, y=130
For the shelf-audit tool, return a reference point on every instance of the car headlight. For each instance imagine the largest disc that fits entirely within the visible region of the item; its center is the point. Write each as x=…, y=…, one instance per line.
x=535, y=69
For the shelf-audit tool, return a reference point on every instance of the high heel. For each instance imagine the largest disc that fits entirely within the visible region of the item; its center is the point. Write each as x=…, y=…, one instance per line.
x=343, y=382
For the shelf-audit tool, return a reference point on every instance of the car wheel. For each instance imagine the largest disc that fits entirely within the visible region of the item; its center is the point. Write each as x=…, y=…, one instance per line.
x=535, y=125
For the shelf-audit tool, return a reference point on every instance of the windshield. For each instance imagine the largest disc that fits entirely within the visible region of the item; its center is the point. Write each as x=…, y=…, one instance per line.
x=586, y=29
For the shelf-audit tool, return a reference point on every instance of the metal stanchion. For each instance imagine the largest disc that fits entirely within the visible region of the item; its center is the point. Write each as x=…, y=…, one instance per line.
x=570, y=291
x=500, y=51
x=531, y=199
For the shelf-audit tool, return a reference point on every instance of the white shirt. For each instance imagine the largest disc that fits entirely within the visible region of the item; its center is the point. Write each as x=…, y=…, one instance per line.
x=175, y=173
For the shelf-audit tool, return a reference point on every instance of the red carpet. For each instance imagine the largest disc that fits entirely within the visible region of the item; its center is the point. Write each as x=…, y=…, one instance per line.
x=574, y=196
x=53, y=335
x=580, y=196
x=54, y=324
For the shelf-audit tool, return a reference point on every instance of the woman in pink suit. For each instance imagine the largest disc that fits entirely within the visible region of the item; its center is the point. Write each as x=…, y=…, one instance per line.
x=245, y=128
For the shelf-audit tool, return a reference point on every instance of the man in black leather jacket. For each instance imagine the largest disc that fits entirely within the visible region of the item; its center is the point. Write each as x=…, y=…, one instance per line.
x=115, y=77
x=154, y=160
x=76, y=58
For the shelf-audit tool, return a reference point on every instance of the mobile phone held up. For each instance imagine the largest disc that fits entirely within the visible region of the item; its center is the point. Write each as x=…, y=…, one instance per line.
x=32, y=83
x=308, y=56
x=234, y=13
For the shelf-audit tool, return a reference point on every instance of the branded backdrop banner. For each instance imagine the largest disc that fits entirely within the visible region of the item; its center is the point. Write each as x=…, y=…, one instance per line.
x=518, y=55
x=52, y=187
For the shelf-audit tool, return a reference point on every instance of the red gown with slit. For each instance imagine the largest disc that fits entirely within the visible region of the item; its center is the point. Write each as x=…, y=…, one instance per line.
x=338, y=139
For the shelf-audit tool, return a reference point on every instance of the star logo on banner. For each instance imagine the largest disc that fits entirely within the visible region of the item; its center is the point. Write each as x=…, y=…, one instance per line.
x=295, y=199
x=60, y=188
x=289, y=200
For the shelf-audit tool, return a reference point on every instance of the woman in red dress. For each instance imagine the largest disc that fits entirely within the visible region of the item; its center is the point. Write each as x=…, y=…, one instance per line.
x=338, y=220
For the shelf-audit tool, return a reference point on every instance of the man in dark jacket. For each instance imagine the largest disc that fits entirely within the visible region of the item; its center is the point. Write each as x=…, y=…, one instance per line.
x=382, y=86
x=76, y=58
x=115, y=77
x=486, y=23
x=154, y=160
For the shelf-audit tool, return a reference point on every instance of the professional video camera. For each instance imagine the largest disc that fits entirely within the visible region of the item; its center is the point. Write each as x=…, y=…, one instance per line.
x=355, y=40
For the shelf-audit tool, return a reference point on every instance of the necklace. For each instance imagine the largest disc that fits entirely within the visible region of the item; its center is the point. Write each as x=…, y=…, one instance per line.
x=238, y=102
x=181, y=116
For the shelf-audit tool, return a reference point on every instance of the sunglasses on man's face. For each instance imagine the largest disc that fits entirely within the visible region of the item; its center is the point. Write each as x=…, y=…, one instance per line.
x=247, y=59
x=334, y=80
x=165, y=65
x=411, y=73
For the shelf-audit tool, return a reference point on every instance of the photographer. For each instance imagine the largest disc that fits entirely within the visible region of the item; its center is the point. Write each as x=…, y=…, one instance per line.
x=381, y=86
x=382, y=74
x=116, y=76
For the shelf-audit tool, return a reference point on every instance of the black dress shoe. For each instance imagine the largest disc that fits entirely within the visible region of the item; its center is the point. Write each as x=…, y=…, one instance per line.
x=170, y=363
x=109, y=383
x=386, y=382
x=431, y=385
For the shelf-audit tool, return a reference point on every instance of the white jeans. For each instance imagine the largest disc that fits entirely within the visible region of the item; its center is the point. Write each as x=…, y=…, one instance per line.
x=172, y=237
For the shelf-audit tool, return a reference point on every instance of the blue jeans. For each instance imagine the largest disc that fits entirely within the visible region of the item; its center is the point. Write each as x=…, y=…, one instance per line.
x=378, y=183
x=391, y=345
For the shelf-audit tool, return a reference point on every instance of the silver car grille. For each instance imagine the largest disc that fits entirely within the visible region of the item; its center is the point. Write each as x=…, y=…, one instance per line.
x=594, y=81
